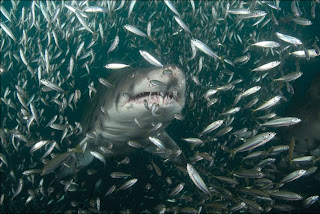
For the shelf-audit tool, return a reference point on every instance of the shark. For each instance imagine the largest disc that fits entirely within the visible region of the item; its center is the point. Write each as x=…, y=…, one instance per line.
x=136, y=106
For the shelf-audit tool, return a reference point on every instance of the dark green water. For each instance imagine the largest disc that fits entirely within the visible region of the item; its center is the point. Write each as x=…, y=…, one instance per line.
x=170, y=48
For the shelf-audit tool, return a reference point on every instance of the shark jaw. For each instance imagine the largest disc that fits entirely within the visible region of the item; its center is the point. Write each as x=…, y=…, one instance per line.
x=159, y=98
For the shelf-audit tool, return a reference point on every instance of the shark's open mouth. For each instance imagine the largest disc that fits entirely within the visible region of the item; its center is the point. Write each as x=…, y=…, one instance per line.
x=160, y=98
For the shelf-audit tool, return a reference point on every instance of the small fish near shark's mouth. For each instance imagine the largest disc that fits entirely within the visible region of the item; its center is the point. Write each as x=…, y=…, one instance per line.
x=161, y=98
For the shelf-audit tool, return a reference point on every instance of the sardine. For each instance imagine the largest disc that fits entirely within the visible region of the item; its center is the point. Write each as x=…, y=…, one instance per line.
x=255, y=141
x=197, y=180
x=128, y=184
x=267, y=66
x=204, y=48
x=134, y=30
x=150, y=58
x=289, y=39
x=212, y=126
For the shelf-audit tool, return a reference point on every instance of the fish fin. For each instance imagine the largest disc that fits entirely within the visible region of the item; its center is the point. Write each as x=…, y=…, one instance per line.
x=152, y=39
x=253, y=111
x=278, y=185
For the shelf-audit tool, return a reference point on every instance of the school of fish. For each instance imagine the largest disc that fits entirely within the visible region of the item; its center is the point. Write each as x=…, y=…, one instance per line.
x=225, y=70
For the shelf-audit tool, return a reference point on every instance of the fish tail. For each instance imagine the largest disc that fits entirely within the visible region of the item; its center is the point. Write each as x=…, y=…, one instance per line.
x=259, y=124
x=152, y=39
x=253, y=111
x=278, y=185
x=232, y=153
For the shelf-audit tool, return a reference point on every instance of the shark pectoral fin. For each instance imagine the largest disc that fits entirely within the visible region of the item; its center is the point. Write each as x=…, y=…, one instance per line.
x=172, y=151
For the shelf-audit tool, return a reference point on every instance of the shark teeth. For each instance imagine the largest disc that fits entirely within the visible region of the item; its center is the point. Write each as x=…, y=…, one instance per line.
x=154, y=97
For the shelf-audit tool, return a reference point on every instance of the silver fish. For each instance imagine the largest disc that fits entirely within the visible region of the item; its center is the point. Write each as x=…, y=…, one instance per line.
x=8, y=31
x=239, y=11
x=83, y=21
x=128, y=184
x=288, y=196
x=51, y=85
x=255, y=141
x=156, y=168
x=99, y=156
x=303, y=159
x=156, y=83
x=19, y=188
x=177, y=189
x=114, y=44
x=134, y=30
x=105, y=82
x=204, y=48
x=231, y=111
x=197, y=180
x=131, y=6
x=227, y=180
x=171, y=7
x=290, y=77
x=302, y=21
x=293, y=176
x=193, y=140
x=95, y=9
x=182, y=24
x=284, y=121
x=267, y=44
x=4, y=159
x=150, y=58
x=157, y=143
x=5, y=13
x=114, y=66
x=50, y=149
x=248, y=173
x=38, y=145
x=268, y=104
x=289, y=39
x=267, y=66
x=310, y=200
x=212, y=126
x=110, y=190
x=253, y=14
x=302, y=54
x=119, y=175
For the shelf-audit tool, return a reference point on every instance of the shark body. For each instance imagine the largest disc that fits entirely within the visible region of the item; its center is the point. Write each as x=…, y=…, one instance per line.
x=138, y=101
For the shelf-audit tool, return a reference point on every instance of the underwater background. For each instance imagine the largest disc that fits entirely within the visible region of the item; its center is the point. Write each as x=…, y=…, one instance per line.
x=228, y=34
